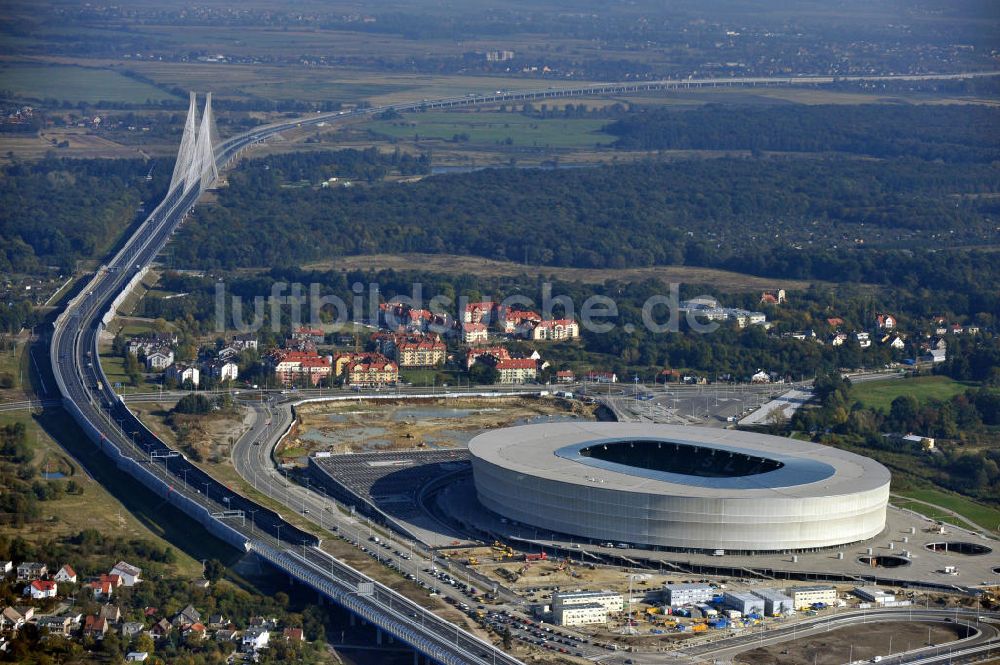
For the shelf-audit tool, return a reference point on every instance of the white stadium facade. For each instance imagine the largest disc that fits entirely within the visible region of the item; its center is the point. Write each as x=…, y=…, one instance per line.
x=679, y=488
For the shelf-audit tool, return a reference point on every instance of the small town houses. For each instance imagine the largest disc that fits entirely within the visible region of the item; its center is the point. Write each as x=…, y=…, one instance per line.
x=108, y=618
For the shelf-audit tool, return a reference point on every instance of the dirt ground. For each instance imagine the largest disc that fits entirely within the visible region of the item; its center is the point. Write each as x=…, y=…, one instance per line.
x=724, y=281
x=344, y=427
x=209, y=437
x=835, y=647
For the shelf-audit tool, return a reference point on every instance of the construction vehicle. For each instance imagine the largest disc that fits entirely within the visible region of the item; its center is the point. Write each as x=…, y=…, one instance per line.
x=473, y=561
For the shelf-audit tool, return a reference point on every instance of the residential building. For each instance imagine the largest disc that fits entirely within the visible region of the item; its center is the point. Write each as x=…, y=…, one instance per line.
x=111, y=613
x=863, y=339
x=6, y=567
x=136, y=657
x=488, y=353
x=130, y=629
x=602, y=377
x=477, y=312
x=555, y=329
x=517, y=370
x=421, y=352
x=102, y=588
x=775, y=601
x=158, y=359
x=474, y=333
x=678, y=595
x=804, y=597
x=373, y=370
x=12, y=619
x=293, y=635
x=565, y=376
x=773, y=297
x=160, y=629
x=885, y=321
x=186, y=617
x=314, y=335
x=56, y=625
x=873, y=594
x=743, y=602
x=128, y=573
x=222, y=370
x=65, y=574
x=255, y=638
x=244, y=342
x=31, y=570
x=837, y=339
x=182, y=373
x=40, y=589
x=95, y=626
x=292, y=366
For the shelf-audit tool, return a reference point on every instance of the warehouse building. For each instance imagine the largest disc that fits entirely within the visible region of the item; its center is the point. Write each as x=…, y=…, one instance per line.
x=678, y=595
x=775, y=601
x=873, y=594
x=744, y=603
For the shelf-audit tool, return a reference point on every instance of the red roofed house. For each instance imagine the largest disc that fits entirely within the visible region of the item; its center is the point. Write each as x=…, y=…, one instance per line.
x=291, y=366
x=40, y=589
x=555, y=329
x=65, y=574
x=494, y=352
x=102, y=588
x=313, y=335
x=476, y=312
x=424, y=352
x=128, y=573
x=565, y=376
x=375, y=370
x=95, y=626
x=474, y=333
x=517, y=370
x=885, y=321
x=834, y=322
x=293, y=634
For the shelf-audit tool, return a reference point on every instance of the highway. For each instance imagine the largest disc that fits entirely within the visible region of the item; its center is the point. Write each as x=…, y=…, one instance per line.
x=90, y=398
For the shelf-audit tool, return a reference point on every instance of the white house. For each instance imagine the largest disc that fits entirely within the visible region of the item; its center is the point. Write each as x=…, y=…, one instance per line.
x=6, y=567
x=65, y=574
x=182, y=373
x=255, y=638
x=159, y=359
x=128, y=573
x=40, y=589
x=223, y=370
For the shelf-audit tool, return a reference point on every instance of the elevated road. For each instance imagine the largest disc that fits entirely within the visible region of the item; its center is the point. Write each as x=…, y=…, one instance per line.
x=89, y=396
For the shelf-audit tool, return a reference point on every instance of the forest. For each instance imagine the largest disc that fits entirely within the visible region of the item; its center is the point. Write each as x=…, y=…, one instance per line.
x=956, y=133
x=838, y=219
x=967, y=461
x=59, y=211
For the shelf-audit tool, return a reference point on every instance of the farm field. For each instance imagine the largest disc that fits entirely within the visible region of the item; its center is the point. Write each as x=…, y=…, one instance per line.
x=494, y=128
x=76, y=84
x=879, y=394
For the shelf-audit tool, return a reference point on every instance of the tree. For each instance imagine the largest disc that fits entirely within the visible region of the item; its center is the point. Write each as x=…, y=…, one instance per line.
x=483, y=374
x=214, y=570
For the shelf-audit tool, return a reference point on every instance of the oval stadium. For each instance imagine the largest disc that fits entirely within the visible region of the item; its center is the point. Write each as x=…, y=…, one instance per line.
x=679, y=488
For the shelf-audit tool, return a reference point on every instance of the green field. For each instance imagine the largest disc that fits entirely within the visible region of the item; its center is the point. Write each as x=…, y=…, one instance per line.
x=984, y=516
x=879, y=394
x=75, y=84
x=494, y=128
